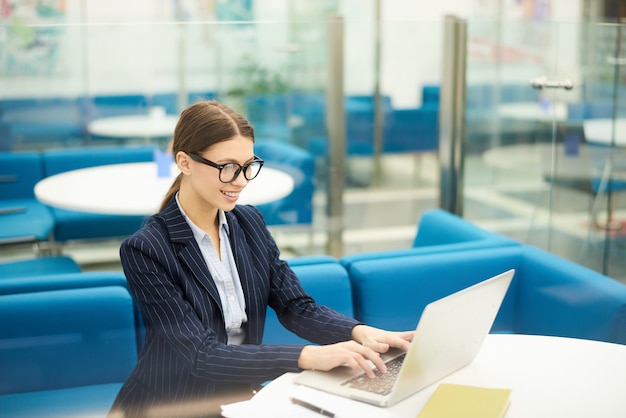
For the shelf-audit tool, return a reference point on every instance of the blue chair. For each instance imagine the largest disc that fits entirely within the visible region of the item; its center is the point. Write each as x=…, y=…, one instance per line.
x=22, y=218
x=297, y=207
x=74, y=225
x=65, y=352
x=41, y=266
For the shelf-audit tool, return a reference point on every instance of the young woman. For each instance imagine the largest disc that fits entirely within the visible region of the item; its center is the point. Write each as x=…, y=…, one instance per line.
x=204, y=270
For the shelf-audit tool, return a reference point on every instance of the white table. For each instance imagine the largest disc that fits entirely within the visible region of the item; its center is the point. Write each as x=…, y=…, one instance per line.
x=600, y=131
x=135, y=188
x=549, y=377
x=587, y=163
x=533, y=111
x=155, y=124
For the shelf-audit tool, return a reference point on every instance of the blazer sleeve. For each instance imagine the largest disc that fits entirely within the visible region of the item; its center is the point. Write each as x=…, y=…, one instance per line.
x=152, y=270
x=295, y=309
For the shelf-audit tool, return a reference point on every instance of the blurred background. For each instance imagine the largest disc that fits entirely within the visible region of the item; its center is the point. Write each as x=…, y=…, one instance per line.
x=506, y=113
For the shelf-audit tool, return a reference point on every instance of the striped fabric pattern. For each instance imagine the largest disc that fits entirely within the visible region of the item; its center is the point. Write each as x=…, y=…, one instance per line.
x=186, y=356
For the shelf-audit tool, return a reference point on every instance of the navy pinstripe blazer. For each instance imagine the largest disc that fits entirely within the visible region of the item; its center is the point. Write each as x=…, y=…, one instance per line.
x=185, y=355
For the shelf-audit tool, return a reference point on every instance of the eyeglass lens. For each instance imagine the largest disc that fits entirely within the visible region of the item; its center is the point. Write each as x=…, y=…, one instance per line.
x=230, y=171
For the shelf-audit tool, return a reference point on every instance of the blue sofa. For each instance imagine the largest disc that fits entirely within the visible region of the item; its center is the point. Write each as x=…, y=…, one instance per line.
x=59, y=377
x=65, y=352
x=548, y=296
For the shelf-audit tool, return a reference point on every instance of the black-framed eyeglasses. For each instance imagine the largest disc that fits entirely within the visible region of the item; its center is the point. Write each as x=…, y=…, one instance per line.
x=230, y=171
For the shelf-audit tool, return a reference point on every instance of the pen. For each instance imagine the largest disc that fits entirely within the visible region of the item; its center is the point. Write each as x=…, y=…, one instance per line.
x=313, y=408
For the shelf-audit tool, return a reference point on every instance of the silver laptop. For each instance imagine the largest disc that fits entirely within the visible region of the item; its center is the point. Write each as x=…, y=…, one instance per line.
x=449, y=335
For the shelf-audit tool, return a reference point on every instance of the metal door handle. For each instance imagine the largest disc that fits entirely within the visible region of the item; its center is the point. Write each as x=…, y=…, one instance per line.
x=543, y=82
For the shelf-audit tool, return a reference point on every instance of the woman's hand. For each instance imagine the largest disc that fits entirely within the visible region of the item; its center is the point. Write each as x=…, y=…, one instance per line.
x=351, y=353
x=367, y=344
x=380, y=340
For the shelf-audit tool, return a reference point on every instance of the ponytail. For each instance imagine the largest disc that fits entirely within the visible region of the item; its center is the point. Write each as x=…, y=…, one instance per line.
x=174, y=188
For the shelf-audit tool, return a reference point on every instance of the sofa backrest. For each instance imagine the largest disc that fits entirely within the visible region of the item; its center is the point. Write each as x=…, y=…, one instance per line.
x=562, y=298
x=439, y=227
x=38, y=266
x=60, y=281
x=65, y=159
x=66, y=338
x=72, y=280
x=19, y=172
x=391, y=293
x=327, y=282
x=548, y=296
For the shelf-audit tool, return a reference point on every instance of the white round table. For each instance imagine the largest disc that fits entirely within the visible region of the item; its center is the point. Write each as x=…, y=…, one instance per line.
x=600, y=131
x=135, y=188
x=549, y=377
x=533, y=111
x=155, y=124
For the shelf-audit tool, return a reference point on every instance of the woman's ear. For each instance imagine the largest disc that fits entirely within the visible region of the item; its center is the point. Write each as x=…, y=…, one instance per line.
x=183, y=162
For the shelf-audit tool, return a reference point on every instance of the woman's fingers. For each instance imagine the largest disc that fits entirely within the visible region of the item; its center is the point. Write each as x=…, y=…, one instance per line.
x=359, y=357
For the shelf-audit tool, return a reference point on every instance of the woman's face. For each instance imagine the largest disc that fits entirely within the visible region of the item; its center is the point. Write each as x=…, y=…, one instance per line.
x=205, y=180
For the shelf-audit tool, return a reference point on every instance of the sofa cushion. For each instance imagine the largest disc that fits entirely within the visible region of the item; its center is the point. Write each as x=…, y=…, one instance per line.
x=38, y=267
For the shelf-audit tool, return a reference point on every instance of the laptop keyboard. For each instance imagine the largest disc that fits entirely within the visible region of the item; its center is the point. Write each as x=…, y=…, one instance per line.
x=382, y=383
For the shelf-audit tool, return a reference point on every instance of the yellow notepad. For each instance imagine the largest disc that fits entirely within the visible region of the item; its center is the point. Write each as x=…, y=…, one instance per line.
x=462, y=401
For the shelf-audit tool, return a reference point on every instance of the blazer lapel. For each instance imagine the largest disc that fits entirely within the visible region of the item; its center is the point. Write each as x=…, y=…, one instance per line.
x=241, y=252
x=187, y=249
x=255, y=306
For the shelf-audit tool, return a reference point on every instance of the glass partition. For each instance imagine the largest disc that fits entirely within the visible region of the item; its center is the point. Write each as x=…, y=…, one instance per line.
x=68, y=72
x=543, y=107
x=532, y=168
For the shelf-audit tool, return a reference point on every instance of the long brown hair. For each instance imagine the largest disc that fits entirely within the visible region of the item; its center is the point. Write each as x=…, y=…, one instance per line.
x=201, y=125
